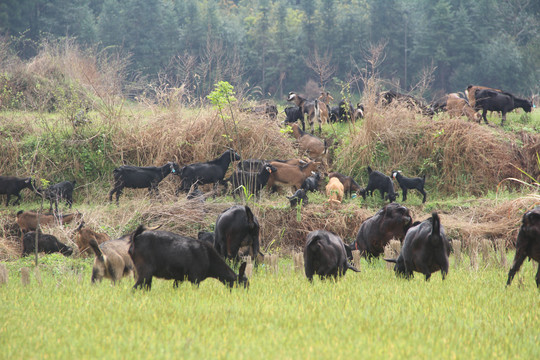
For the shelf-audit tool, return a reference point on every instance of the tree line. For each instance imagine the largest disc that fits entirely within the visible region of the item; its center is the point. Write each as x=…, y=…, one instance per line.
x=271, y=47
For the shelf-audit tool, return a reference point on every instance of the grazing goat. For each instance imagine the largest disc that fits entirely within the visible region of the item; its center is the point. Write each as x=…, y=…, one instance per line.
x=378, y=181
x=493, y=101
x=46, y=243
x=170, y=256
x=314, y=147
x=292, y=115
x=11, y=185
x=112, y=259
x=28, y=220
x=135, y=177
x=84, y=235
x=334, y=191
x=59, y=191
x=457, y=106
x=324, y=100
x=309, y=107
x=499, y=101
x=251, y=181
x=425, y=250
x=325, y=255
x=392, y=221
x=299, y=197
x=349, y=185
x=527, y=244
x=333, y=114
x=406, y=183
x=211, y=172
x=236, y=227
x=312, y=182
x=290, y=174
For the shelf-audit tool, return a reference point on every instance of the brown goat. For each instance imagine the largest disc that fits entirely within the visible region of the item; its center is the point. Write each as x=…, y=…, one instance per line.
x=28, y=220
x=314, y=147
x=470, y=91
x=290, y=175
x=324, y=100
x=349, y=185
x=456, y=106
x=334, y=191
x=83, y=237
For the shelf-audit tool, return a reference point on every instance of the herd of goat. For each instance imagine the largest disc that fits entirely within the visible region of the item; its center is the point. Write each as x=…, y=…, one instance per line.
x=148, y=253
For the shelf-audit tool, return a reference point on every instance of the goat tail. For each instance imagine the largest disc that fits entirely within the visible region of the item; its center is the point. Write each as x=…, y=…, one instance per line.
x=95, y=247
x=436, y=228
x=250, y=217
x=317, y=111
x=140, y=229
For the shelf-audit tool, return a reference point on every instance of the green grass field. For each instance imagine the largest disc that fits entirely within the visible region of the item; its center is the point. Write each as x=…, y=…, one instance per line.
x=373, y=314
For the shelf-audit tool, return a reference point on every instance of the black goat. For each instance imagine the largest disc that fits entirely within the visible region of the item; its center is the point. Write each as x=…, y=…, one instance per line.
x=251, y=181
x=333, y=114
x=236, y=227
x=312, y=182
x=425, y=250
x=325, y=255
x=207, y=236
x=59, y=191
x=392, y=221
x=378, y=181
x=46, y=243
x=293, y=114
x=11, y=185
x=299, y=196
x=527, y=244
x=210, y=172
x=493, y=101
x=251, y=165
x=170, y=256
x=135, y=177
x=406, y=183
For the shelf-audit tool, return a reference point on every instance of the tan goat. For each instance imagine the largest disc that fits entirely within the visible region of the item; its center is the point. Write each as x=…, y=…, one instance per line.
x=83, y=237
x=334, y=190
x=28, y=220
x=457, y=106
x=314, y=147
x=112, y=260
x=290, y=174
x=324, y=100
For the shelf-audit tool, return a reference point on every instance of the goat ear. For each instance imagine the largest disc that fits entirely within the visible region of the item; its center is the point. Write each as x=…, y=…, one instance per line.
x=242, y=270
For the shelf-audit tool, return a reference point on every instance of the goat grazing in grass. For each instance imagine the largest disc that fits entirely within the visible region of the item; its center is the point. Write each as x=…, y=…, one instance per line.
x=349, y=185
x=325, y=255
x=84, y=235
x=378, y=181
x=112, y=259
x=334, y=191
x=425, y=250
x=290, y=174
x=170, y=256
x=309, y=107
x=135, y=177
